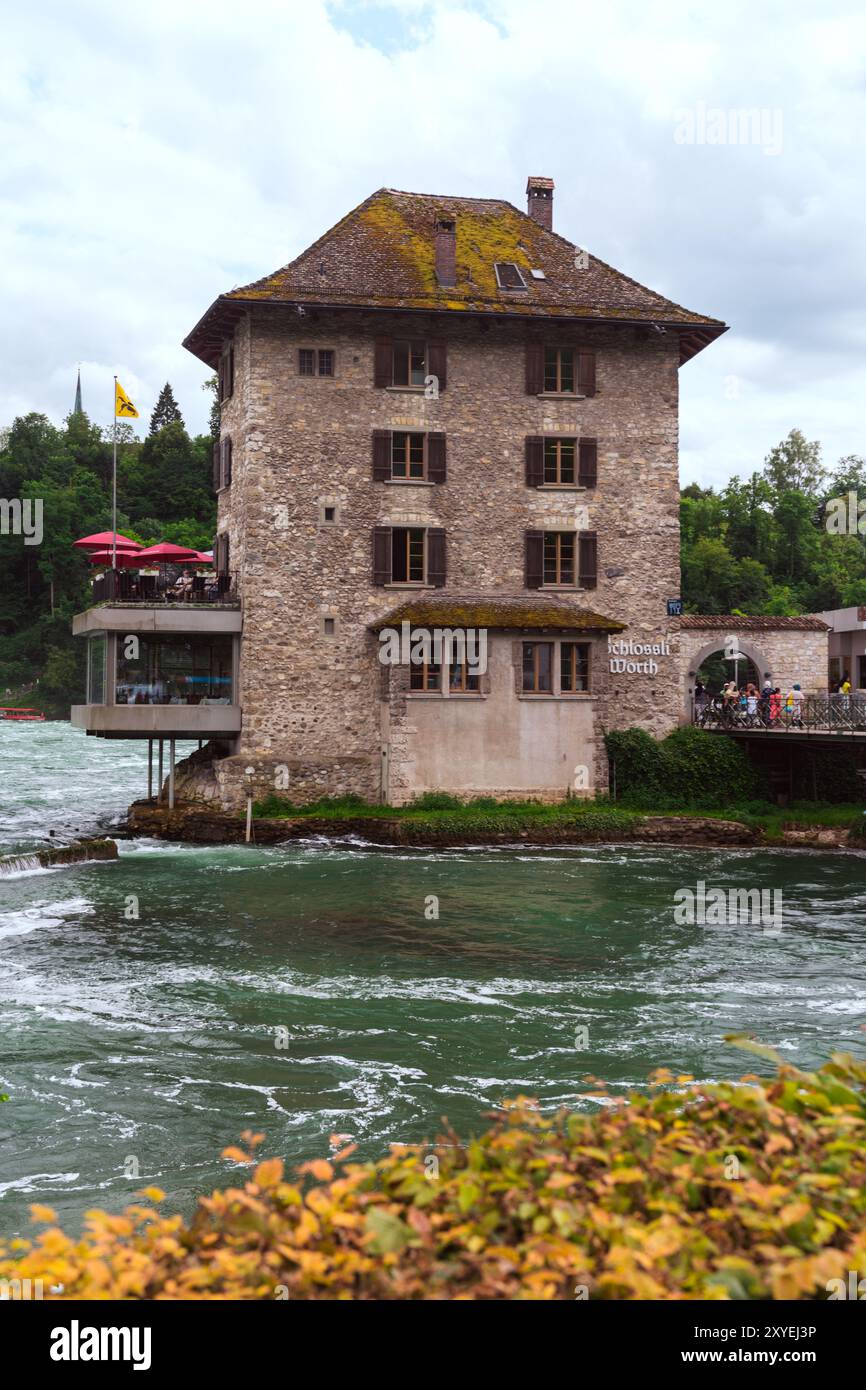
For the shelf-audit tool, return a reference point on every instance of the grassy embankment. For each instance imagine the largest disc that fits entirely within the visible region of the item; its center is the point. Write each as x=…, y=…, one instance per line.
x=446, y=814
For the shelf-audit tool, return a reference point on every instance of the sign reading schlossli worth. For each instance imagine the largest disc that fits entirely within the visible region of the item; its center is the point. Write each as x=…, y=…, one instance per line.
x=623, y=653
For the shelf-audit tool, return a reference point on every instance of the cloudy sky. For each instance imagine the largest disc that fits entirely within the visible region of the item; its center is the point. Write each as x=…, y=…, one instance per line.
x=156, y=155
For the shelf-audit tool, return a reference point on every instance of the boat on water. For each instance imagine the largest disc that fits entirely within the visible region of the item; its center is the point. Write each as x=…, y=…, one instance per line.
x=20, y=716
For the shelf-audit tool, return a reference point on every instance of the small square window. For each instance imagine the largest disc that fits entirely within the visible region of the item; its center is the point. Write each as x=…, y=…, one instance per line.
x=330, y=513
x=326, y=362
x=330, y=627
x=306, y=362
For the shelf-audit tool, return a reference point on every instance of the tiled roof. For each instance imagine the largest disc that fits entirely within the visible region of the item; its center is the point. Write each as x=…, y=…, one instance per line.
x=382, y=255
x=735, y=623
x=497, y=611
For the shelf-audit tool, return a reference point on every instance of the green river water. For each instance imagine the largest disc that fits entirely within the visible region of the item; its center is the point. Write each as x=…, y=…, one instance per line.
x=302, y=991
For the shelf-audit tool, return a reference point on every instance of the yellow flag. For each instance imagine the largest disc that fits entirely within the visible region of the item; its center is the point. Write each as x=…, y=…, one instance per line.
x=122, y=404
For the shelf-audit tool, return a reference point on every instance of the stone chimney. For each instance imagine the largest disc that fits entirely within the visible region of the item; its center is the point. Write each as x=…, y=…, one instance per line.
x=539, y=201
x=445, y=241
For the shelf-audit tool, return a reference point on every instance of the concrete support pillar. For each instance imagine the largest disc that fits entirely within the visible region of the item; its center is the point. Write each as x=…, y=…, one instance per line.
x=149, y=768
x=171, y=774
x=159, y=792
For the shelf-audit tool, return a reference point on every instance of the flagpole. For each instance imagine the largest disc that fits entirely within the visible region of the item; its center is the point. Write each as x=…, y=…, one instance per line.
x=114, y=488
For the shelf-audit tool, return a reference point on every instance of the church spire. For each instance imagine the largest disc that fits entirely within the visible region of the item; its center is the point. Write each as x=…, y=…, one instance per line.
x=77, y=408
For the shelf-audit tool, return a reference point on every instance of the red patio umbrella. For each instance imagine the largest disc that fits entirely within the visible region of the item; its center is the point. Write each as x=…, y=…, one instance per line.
x=102, y=540
x=197, y=558
x=165, y=553
x=125, y=559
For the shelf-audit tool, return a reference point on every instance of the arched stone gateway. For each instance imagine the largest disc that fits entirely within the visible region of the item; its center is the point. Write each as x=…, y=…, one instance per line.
x=786, y=649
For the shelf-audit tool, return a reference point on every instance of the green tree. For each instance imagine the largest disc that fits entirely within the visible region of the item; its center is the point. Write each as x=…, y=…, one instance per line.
x=165, y=412
x=795, y=465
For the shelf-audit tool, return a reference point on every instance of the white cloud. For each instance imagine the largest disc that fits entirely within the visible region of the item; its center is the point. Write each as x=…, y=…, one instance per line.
x=155, y=156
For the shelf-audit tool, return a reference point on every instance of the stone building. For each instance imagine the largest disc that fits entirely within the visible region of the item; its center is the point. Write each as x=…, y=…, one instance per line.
x=444, y=415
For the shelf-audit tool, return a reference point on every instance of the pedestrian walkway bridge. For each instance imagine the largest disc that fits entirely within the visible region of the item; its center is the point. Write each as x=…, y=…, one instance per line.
x=819, y=716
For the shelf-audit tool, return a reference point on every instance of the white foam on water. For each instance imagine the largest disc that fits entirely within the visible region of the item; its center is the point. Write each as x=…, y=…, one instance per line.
x=42, y=914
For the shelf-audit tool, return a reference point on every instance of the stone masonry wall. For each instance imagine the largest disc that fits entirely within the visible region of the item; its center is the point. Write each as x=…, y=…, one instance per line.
x=300, y=444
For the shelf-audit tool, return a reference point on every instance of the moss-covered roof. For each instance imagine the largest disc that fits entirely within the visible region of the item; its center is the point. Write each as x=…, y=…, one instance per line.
x=382, y=255
x=499, y=611
x=733, y=622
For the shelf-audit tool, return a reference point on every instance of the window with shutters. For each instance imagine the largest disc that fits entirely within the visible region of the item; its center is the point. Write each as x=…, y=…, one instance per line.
x=408, y=455
x=409, y=362
x=538, y=668
x=408, y=555
x=559, y=373
x=316, y=362
x=559, y=456
x=573, y=667
x=559, y=554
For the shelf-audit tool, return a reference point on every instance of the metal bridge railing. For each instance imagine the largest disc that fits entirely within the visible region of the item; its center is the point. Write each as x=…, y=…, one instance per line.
x=835, y=714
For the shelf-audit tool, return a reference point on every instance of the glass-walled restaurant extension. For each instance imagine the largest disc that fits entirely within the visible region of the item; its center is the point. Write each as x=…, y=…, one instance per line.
x=160, y=670
x=171, y=670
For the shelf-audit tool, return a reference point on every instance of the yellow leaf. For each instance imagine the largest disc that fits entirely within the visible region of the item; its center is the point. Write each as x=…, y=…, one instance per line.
x=236, y=1155
x=41, y=1213
x=269, y=1173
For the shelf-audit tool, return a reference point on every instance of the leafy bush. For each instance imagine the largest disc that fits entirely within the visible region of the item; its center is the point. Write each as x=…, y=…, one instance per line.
x=636, y=761
x=705, y=767
x=746, y=1190
x=689, y=767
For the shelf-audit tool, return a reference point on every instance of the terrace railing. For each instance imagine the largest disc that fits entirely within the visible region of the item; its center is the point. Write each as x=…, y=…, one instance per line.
x=122, y=586
x=835, y=714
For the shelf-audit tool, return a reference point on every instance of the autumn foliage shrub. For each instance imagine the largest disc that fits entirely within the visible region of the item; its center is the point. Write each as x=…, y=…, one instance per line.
x=748, y=1190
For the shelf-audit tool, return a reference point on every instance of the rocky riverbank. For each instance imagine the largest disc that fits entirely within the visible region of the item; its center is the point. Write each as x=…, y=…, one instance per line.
x=204, y=825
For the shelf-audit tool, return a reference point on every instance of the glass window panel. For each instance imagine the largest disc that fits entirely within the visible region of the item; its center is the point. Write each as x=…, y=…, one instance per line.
x=550, y=369
x=566, y=371
x=96, y=668
x=326, y=362
x=307, y=362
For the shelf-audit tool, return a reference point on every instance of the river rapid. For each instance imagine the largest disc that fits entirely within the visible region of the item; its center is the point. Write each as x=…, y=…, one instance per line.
x=153, y=1008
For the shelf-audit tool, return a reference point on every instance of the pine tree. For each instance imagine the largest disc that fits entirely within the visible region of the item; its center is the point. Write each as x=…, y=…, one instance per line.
x=165, y=412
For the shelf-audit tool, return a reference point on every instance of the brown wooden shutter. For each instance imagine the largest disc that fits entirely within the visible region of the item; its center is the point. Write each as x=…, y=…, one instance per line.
x=381, y=555
x=436, y=458
x=587, y=559
x=534, y=368
x=436, y=556
x=383, y=362
x=381, y=455
x=534, y=447
x=221, y=553
x=533, y=559
x=437, y=363
x=216, y=466
x=586, y=373
x=221, y=371
x=587, y=464
x=230, y=364
x=227, y=461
